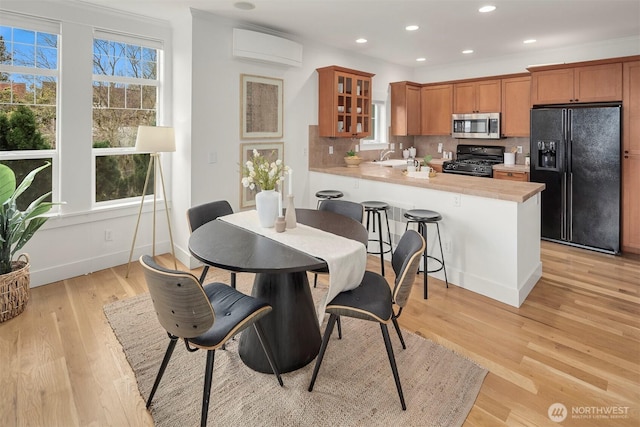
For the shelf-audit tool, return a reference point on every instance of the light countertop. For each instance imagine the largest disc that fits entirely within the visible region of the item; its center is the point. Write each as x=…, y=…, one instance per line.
x=463, y=184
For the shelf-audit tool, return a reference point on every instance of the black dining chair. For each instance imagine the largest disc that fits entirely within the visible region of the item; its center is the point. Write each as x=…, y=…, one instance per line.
x=202, y=214
x=352, y=210
x=205, y=317
x=374, y=300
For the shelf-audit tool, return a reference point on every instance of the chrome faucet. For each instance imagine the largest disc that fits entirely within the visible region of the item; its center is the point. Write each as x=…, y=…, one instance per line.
x=384, y=154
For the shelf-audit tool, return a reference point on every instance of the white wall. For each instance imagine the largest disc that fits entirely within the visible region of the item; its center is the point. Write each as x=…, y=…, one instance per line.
x=215, y=126
x=519, y=63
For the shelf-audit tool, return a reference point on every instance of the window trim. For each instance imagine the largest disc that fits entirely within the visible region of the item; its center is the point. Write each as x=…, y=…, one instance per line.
x=158, y=83
x=40, y=25
x=380, y=121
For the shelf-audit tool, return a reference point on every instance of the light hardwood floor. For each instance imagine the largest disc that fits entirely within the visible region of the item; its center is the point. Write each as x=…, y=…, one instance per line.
x=575, y=341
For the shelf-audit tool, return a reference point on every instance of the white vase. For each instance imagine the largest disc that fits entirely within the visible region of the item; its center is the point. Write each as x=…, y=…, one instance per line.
x=267, y=207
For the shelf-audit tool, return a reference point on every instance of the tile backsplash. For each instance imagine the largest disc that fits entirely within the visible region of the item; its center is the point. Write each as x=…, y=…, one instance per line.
x=320, y=156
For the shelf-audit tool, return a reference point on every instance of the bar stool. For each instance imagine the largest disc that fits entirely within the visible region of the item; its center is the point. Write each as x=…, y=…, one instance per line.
x=327, y=194
x=373, y=209
x=424, y=217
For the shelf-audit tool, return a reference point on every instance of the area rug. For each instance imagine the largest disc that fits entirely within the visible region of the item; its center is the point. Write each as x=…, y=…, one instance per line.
x=355, y=386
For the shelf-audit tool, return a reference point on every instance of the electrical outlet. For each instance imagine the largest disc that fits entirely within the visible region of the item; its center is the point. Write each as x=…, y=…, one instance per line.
x=356, y=183
x=440, y=147
x=213, y=157
x=331, y=149
x=304, y=151
x=519, y=149
x=456, y=200
x=357, y=148
x=447, y=246
x=400, y=145
x=392, y=146
x=108, y=236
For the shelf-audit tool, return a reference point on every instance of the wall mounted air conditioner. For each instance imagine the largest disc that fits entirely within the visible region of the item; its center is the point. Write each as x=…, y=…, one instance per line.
x=266, y=48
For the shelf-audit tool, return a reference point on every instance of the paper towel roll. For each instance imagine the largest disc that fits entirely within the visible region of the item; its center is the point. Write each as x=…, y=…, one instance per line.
x=509, y=158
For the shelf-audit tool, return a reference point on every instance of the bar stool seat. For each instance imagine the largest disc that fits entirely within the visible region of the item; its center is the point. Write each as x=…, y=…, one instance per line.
x=423, y=217
x=328, y=194
x=373, y=208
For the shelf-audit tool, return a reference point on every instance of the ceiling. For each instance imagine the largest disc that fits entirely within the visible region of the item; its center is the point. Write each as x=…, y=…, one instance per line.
x=446, y=26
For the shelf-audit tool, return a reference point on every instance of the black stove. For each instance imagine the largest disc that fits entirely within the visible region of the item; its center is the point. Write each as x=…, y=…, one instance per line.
x=475, y=160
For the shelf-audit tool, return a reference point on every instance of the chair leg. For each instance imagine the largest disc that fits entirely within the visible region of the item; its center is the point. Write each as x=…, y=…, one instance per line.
x=442, y=256
x=204, y=274
x=233, y=280
x=392, y=361
x=163, y=366
x=267, y=350
x=315, y=280
x=325, y=340
x=206, y=393
x=381, y=241
x=386, y=218
x=395, y=324
x=422, y=227
x=339, y=328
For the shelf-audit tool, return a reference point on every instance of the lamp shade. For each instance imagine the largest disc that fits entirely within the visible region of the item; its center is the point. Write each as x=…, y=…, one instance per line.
x=155, y=139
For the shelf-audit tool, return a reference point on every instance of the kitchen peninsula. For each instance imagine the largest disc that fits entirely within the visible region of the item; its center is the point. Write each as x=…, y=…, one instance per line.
x=490, y=228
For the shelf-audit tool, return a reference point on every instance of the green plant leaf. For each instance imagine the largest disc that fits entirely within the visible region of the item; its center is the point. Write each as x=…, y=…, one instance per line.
x=26, y=182
x=7, y=183
x=18, y=227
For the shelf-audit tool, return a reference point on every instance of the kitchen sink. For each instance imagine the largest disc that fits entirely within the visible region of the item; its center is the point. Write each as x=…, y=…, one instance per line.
x=392, y=163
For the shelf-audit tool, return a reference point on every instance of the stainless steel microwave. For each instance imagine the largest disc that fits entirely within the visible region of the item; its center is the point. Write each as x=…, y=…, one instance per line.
x=478, y=125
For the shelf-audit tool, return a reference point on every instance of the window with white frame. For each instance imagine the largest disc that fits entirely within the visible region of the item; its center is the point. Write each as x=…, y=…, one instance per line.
x=29, y=75
x=378, y=127
x=126, y=87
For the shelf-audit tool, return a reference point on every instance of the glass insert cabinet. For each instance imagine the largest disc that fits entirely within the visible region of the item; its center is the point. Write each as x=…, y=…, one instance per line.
x=344, y=96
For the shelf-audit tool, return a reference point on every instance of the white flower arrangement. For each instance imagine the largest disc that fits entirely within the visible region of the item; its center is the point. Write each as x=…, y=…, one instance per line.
x=261, y=174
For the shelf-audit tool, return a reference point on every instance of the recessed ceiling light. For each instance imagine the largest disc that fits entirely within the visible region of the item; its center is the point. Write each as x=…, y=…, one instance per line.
x=361, y=41
x=411, y=27
x=485, y=9
x=421, y=59
x=529, y=41
x=244, y=5
x=467, y=51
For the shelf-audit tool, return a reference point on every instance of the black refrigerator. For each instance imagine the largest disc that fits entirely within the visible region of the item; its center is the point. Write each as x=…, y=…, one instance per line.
x=575, y=152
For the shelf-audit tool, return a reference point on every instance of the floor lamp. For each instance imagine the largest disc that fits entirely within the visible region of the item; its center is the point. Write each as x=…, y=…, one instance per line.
x=154, y=140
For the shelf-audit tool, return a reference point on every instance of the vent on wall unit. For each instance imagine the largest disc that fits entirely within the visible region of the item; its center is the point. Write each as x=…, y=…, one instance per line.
x=266, y=48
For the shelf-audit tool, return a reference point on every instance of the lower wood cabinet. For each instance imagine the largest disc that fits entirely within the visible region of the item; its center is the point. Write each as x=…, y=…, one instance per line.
x=511, y=176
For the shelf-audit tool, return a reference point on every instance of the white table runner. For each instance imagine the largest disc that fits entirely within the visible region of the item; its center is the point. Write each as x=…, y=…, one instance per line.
x=346, y=258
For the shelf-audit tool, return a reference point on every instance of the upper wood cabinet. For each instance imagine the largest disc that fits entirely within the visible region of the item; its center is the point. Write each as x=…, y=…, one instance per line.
x=481, y=96
x=592, y=83
x=631, y=157
x=405, y=109
x=437, y=106
x=344, y=98
x=516, y=103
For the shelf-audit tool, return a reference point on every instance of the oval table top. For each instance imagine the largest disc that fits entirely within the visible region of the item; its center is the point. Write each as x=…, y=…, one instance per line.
x=229, y=247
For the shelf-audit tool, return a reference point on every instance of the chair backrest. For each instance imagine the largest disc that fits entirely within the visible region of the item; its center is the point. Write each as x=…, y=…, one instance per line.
x=343, y=207
x=201, y=214
x=405, y=262
x=179, y=300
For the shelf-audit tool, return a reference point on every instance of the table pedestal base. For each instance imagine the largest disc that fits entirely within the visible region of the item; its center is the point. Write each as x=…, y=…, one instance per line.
x=291, y=328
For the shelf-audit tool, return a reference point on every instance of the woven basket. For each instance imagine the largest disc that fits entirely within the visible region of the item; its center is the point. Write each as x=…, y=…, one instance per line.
x=14, y=289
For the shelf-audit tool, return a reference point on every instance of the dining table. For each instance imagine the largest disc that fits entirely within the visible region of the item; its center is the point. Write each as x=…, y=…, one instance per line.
x=292, y=327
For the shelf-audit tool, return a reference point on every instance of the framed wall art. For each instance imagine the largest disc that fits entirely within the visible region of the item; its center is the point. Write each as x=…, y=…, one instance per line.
x=260, y=107
x=271, y=151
